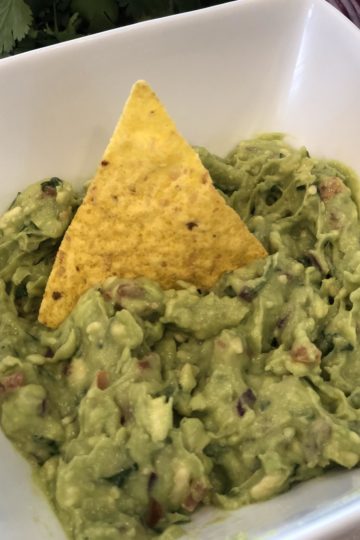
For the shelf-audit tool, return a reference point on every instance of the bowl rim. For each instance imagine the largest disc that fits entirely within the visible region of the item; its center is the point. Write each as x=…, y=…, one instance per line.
x=348, y=512
x=187, y=15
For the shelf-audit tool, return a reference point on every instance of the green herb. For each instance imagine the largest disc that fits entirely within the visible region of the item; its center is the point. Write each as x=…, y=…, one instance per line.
x=30, y=24
x=120, y=478
x=53, y=183
x=50, y=443
x=20, y=291
x=15, y=21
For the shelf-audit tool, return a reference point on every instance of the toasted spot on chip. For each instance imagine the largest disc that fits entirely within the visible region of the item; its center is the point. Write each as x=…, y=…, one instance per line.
x=149, y=184
x=191, y=225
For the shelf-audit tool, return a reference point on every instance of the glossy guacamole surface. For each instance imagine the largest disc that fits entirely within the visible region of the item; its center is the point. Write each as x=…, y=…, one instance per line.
x=146, y=404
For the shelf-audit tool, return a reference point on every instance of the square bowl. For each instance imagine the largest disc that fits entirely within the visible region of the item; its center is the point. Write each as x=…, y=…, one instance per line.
x=223, y=73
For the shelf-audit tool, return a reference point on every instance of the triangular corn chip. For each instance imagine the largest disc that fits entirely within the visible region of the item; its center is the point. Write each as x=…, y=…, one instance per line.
x=151, y=210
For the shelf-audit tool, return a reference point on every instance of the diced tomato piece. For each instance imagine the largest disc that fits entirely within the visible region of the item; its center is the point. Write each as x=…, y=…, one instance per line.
x=102, y=380
x=305, y=354
x=13, y=381
x=330, y=187
x=154, y=514
x=197, y=492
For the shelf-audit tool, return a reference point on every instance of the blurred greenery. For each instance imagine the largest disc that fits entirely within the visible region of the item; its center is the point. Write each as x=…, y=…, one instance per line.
x=30, y=24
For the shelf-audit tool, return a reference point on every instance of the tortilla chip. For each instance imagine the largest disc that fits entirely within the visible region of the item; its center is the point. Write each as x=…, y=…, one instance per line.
x=151, y=210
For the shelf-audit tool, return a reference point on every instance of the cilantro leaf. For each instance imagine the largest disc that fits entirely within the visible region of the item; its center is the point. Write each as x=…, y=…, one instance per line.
x=146, y=9
x=15, y=21
x=29, y=24
x=70, y=32
x=187, y=5
x=98, y=15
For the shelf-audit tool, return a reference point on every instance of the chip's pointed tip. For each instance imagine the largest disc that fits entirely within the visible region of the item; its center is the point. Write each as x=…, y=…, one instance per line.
x=140, y=84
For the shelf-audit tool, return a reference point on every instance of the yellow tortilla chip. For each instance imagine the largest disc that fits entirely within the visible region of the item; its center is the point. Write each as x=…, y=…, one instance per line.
x=151, y=210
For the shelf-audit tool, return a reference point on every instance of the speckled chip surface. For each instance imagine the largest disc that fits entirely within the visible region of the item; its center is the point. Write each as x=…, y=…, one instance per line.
x=151, y=210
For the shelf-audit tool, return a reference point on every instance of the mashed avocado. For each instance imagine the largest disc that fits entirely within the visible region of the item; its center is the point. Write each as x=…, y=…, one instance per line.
x=145, y=404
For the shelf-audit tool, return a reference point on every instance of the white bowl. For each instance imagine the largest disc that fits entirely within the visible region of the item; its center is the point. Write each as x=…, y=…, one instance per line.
x=224, y=73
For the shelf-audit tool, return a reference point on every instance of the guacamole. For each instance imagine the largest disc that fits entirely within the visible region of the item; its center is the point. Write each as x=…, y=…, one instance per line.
x=147, y=403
